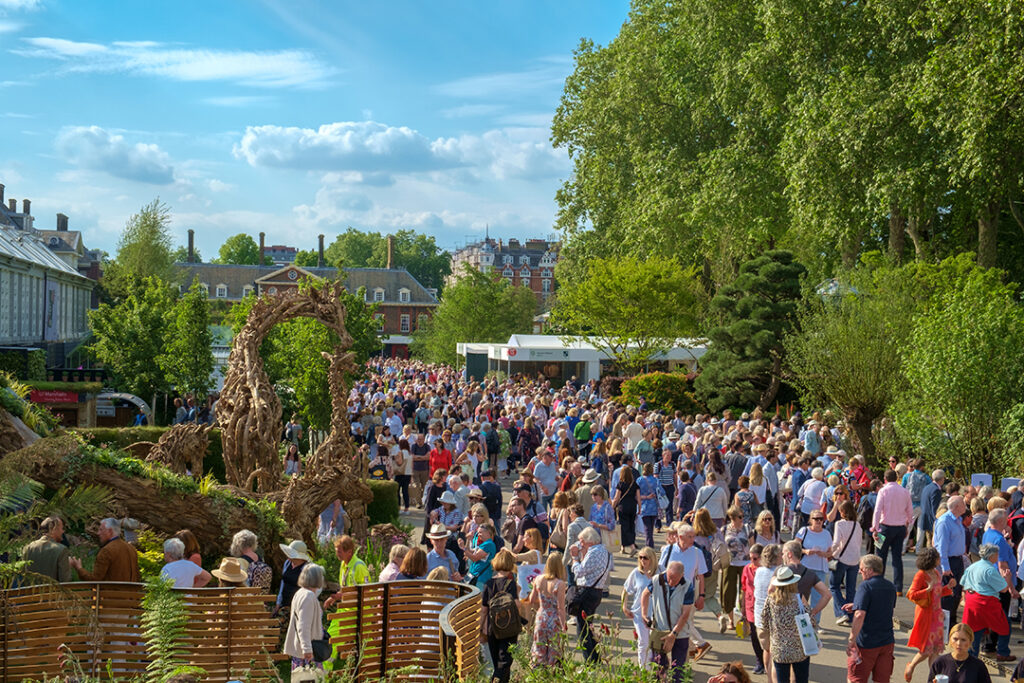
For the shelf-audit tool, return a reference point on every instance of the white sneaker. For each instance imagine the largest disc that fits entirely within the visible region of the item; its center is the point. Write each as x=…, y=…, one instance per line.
x=843, y=621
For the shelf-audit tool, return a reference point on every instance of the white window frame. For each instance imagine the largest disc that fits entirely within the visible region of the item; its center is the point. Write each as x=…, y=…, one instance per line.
x=404, y=295
x=545, y=285
x=247, y=290
x=380, y=320
x=421, y=320
x=222, y=288
x=378, y=294
x=403, y=321
x=206, y=288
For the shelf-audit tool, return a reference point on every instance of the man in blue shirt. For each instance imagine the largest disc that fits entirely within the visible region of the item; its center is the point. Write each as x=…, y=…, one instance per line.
x=1007, y=563
x=951, y=544
x=931, y=494
x=799, y=477
x=871, y=636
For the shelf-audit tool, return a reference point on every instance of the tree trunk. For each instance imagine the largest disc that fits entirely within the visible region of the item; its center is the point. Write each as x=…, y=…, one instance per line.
x=915, y=231
x=988, y=233
x=897, y=231
x=862, y=430
x=772, y=390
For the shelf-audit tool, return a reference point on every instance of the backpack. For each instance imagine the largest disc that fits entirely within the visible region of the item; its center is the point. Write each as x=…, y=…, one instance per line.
x=503, y=614
x=866, y=513
x=378, y=470
x=749, y=505
x=493, y=442
x=918, y=480
x=1016, y=524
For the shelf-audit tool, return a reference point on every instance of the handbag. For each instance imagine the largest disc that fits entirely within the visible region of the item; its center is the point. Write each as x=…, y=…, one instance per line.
x=322, y=648
x=307, y=674
x=833, y=563
x=662, y=499
x=805, y=628
x=558, y=538
x=658, y=636
x=580, y=600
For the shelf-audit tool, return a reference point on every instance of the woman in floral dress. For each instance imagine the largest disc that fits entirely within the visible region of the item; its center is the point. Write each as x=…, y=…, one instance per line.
x=548, y=598
x=926, y=592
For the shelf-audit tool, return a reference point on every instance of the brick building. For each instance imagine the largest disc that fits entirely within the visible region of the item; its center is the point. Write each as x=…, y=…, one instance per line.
x=529, y=264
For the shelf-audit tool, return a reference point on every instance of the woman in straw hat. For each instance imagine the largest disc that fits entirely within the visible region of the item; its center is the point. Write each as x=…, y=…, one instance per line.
x=778, y=619
x=230, y=573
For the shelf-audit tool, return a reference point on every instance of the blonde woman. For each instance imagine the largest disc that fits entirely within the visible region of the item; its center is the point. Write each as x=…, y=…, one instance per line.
x=639, y=580
x=758, y=485
x=777, y=619
x=709, y=536
x=534, y=548
x=766, y=531
x=548, y=598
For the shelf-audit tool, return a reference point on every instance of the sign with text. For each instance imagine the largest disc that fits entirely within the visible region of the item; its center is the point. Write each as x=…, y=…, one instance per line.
x=53, y=396
x=979, y=480
x=549, y=354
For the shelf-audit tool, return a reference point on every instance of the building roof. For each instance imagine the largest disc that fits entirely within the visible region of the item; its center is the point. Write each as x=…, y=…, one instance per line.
x=236, y=277
x=26, y=246
x=62, y=240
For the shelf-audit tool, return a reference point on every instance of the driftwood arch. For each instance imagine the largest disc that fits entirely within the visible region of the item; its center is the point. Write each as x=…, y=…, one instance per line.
x=249, y=416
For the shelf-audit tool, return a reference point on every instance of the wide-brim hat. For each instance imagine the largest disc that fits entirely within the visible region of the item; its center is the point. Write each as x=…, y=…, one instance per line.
x=296, y=550
x=449, y=497
x=831, y=450
x=230, y=570
x=784, y=576
x=673, y=436
x=590, y=476
x=761, y=448
x=438, y=531
x=475, y=492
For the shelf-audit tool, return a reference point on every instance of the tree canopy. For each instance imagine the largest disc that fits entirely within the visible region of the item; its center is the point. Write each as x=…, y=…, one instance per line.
x=476, y=308
x=188, y=354
x=241, y=249
x=143, y=251
x=417, y=253
x=632, y=308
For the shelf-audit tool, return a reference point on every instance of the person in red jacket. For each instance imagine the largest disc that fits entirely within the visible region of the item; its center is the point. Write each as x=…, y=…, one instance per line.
x=440, y=457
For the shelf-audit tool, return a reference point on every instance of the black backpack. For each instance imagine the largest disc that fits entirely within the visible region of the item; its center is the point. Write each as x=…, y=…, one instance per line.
x=378, y=470
x=503, y=614
x=866, y=514
x=493, y=442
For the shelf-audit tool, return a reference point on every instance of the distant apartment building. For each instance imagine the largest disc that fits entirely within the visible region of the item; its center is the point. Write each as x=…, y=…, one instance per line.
x=529, y=264
x=280, y=254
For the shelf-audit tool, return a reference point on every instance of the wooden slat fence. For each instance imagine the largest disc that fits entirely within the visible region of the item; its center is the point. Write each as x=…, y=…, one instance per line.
x=425, y=629
x=229, y=633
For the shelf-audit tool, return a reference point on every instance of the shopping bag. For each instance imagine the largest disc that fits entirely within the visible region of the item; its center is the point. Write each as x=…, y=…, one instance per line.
x=308, y=674
x=805, y=628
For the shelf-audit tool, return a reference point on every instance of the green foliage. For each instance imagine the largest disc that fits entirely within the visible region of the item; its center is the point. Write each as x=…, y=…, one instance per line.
x=164, y=622
x=632, y=308
x=293, y=354
x=14, y=399
x=1011, y=441
x=719, y=130
x=119, y=438
x=150, y=547
x=744, y=364
x=180, y=255
x=78, y=387
x=384, y=507
x=188, y=356
x=477, y=308
x=664, y=391
x=307, y=258
x=143, y=251
x=130, y=336
x=417, y=253
x=24, y=364
x=848, y=351
x=241, y=249
x=964, y=364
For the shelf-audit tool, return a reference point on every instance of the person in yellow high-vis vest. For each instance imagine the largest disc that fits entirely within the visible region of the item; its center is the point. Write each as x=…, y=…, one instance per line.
x=353, y=572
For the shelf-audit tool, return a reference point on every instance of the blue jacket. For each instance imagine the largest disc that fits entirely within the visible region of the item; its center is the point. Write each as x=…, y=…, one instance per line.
x=931, y=494
x=799, y=477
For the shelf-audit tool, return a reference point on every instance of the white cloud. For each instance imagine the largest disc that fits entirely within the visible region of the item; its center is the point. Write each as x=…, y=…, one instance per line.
x=239, y=100
x=375, y=148
x=268, y=69
x=94, y=148
x=548, y=75
x=9, y=26
x=18, y=4
x=219, y=185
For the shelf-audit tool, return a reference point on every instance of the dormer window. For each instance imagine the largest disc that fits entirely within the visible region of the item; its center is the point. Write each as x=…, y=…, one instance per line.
x=378, y=294
x=507, y=258
x=222, y=291
x=404, y=295
x=246, y=290
x=206, y=288
x=524, y=260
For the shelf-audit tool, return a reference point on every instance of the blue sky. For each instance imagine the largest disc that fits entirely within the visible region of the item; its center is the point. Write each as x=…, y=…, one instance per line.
x=288, y=116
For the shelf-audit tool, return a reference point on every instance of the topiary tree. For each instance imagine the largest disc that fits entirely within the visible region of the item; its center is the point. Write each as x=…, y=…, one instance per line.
x=744, y=363
x=665, y=391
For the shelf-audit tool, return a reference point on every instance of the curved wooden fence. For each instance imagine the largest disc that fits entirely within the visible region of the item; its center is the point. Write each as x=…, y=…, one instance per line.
x=417, y=629
x=99, y=625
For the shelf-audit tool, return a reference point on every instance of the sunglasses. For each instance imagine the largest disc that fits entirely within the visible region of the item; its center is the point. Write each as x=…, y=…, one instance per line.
x=817, y=519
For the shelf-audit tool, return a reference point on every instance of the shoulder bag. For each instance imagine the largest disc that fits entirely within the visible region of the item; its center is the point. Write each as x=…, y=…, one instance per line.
x=805, y=628
x=583, y=600
x=833, y=562
x=658, y=636
x=322, y=646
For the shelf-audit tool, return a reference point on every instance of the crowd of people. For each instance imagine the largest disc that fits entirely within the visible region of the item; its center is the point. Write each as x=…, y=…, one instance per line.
x=762, y=521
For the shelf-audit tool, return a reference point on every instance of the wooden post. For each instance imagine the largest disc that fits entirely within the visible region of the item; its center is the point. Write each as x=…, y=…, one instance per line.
x=384, y=633
x=231, y=655
x=7, y=626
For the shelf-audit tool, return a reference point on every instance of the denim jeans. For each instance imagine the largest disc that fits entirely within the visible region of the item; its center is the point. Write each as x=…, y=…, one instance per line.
x=815, y=595
x=843, y=574
x=801, y=672
x=1002, y=643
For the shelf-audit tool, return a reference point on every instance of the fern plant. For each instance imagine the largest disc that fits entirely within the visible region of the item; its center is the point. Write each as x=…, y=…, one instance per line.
x=14, y=399
x=164, y=618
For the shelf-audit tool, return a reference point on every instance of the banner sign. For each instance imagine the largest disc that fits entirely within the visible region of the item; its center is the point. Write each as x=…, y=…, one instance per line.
x=53, y=396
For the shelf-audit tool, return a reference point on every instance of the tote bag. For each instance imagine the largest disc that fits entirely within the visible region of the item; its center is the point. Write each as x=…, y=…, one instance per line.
x=805, y=628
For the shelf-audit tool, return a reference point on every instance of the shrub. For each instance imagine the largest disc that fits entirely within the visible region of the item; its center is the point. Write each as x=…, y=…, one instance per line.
x=664, y=391
x=384, y=508
x=121, y=437
x=611, y=385
x=24, y=364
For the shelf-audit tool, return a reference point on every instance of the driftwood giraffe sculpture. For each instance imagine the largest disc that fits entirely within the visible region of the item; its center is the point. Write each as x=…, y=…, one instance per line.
x=249, y=416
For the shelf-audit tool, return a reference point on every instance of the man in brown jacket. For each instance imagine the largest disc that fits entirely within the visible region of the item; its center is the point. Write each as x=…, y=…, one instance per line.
x=117, y=559
x=47, y=556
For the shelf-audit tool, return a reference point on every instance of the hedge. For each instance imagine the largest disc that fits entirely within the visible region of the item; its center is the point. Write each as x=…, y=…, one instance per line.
x=121, y=437
x=664, y=391
x=24, y=364
x=384, y=508
x=77, y=387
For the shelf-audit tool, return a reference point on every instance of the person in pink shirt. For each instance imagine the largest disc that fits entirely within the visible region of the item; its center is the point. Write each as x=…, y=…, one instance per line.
x=894, y=513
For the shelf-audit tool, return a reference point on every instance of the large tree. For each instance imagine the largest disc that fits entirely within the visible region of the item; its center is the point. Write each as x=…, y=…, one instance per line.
x=743, y=366
x=476, y=308
x=129, y=337
x=143, y=250
x=847, y=351
x=632, y=308
x=416, y=252
x=241, y=249
x=188, y=353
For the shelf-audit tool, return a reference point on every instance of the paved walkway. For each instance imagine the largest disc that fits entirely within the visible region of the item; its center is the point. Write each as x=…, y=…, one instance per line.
x=829, y=665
